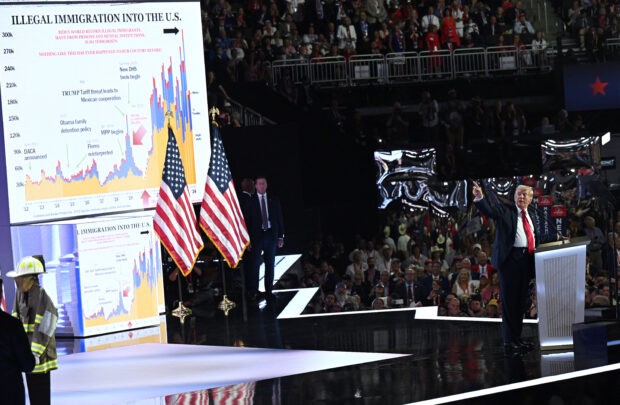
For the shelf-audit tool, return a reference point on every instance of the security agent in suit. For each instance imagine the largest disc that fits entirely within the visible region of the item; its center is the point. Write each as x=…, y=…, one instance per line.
x=15, y=358
x=247, y=190
x=513, y=256
x=266, y=229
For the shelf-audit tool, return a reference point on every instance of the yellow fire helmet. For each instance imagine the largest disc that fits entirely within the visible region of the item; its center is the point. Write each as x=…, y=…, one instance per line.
x=28, y=265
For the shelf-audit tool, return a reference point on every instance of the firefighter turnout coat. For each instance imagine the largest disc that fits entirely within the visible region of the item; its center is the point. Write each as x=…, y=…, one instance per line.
x=39, y=316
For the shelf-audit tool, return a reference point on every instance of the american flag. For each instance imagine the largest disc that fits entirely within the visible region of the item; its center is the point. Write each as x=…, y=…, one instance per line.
x=238, y=394
x=220, y=216
x=175, y=221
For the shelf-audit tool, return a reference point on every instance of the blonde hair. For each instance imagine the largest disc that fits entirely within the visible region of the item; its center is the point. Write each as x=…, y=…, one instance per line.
x=530, y=190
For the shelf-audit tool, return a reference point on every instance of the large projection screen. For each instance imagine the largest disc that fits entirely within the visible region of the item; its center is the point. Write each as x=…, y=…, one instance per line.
x=88, y=94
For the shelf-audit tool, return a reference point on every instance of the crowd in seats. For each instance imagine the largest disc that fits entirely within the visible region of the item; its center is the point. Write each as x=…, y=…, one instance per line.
x=446, y=267
x=592, y=22
x=242, y=39
x=451, y=119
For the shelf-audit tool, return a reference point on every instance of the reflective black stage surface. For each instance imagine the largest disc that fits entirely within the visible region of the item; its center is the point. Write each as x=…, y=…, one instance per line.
x=445, y=358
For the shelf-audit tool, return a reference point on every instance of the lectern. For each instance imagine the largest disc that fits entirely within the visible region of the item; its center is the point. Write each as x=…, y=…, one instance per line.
x=560, y=284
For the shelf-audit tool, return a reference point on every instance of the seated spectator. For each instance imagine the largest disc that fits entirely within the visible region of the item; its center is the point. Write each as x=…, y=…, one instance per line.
x=492, y=290
x=429, y=19
x=330, y=301
x=268, y=30
x=492, y=309
x=458, y=14
x=464, y=285
x=397, y=41
x=357, y=265
x=501, y=20
x=377, y=45
x=364, y=39
x=523, y=26
x=437, y=256
x=474, y=307
x=454, y=308
x=360, y=288
x=376, y=11
x=331, y=37
x=493, y=28
x=539, y=47
x=413, y=32
x=483, y=268
x=580, y=27
x=483, y=283
x=417, y=259
x=378, y=303
x=384, y=262
x=436, y=295
x=346, y=34
x=448, y=29
x=516, y=124
x=427, y=282
x=411, y=291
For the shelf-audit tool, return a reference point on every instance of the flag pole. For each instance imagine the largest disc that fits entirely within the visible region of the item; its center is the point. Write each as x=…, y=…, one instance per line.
x=181, y=311
x=225, y=305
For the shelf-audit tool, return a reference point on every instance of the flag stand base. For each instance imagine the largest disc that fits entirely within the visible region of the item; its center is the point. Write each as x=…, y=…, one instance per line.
x=181, y=312
x=226, y=305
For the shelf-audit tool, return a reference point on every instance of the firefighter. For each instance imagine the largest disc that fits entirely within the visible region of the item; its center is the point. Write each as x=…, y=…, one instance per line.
x=34, y=308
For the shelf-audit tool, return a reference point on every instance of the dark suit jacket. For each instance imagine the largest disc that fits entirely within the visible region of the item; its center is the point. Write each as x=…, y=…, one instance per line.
x=418, y=292
x=244, y=202
x=254, y=220
x=15, y=358
x=427, y=283
x=505, y=217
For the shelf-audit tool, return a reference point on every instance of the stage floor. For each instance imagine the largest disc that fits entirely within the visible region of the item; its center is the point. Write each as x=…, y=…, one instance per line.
x=383, y=357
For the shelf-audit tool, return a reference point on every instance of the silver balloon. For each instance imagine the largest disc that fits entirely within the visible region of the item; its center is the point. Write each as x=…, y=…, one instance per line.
x=410, y=176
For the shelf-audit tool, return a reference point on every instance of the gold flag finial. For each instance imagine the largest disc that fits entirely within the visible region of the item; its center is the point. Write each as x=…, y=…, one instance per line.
x=214, y=112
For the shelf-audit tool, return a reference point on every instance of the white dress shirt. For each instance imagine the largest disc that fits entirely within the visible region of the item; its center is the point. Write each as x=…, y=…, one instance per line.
x=521, y=236
x=260, y=202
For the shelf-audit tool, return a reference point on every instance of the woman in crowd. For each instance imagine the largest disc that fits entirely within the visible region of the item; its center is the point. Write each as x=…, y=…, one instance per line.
x=491, y=291
x=436, y=295
x=464, y=285
x=448, y=28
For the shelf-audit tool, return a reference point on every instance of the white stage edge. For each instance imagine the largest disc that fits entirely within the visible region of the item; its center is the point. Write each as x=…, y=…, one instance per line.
x=149, y=372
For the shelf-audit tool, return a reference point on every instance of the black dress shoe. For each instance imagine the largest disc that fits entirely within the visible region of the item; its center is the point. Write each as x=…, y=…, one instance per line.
x=525, y=345
x=513, y=350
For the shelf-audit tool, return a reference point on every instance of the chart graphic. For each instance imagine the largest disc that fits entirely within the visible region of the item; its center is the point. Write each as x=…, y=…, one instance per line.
x=124, y=291
x=86, y=107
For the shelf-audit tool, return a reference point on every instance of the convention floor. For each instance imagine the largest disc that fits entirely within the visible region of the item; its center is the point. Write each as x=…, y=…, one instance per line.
x=385, y=357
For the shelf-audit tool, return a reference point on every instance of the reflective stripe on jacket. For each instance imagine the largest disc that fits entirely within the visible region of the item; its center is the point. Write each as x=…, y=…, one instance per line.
x=37, y=313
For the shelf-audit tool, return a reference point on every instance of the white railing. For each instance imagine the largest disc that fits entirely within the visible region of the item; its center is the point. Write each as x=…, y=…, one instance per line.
x=503, y=59
x=367, y=68
x=296, y=68
x=536, y=58
x=425, y=65
x=331, y=69
x=469, y=62
x=403, y=65
x=248, y=116
x=436, y=64
x=613, y=47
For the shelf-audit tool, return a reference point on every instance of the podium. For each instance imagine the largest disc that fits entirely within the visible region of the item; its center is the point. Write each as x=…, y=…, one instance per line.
x=560, y=285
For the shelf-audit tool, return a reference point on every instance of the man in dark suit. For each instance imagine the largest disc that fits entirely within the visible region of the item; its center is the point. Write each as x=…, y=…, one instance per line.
x=427, y=282
x=513, y=255
x=410, y=290
x=15, y=358
x=266, y=229
x=247, y=190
